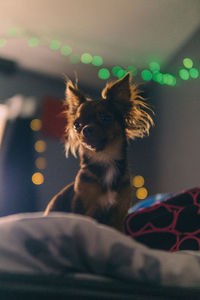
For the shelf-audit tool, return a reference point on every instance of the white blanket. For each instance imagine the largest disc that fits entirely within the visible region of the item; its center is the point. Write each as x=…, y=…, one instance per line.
x=59, y=243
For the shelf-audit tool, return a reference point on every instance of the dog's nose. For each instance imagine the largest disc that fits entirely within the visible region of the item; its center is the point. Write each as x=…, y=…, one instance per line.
x=88, y=131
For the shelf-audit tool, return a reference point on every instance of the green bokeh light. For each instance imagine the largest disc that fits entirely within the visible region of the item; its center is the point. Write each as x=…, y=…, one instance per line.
x=3, y=42
x=97, y=61
x=86, y=58
x=184, y=74
x=154, y=66
x=158, y=77
x=121, y=73
x=194, y=73
x=115, y=70
x=74, y=59
x=66, y=50
x=132, y=69
x=33, y=42
x=54, y=45
x=188, y=63
x=12, y=31
x=104, y=73
x=146, y=75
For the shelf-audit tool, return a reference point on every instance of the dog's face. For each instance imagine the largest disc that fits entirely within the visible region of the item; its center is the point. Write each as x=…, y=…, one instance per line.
x=95, y=124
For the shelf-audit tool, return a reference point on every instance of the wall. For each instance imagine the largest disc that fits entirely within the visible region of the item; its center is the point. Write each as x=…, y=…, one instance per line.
x=178, y=128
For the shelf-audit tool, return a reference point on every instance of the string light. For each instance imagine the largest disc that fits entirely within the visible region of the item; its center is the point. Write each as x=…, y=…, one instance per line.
x=3, y=42
x=194, y=73
x=141, y=193
x=97, y=61
x=38, y=178
x=188, y=63
x=153, y=73
x=33, y=42
x=104, y=73
x=154, y=66
x=146, y=75
x=54, y=45
x=86, y=58
x=36, y=124
x=40, y=146
x=138, y=181
x=12, y=31
x=184, y=74
x=66, y=50
x=41, y=163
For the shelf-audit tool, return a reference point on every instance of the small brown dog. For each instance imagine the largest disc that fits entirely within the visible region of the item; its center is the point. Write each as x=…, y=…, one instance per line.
x=99, y=131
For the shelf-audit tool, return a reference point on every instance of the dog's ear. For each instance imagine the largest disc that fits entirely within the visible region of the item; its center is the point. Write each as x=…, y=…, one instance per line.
x=119, y=93
x=126, y=99
x=74, y=97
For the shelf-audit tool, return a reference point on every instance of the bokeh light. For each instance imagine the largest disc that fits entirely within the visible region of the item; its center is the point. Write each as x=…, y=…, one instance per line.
x=188, y=63
x=36, y=124
x=40, y=146
x=141, y=193
x=12, y=31
x=138, y=181
x=38, y=178
x=194, y=73
x=184, y=74
x=115, y=70
x=86, y=58
x=132, y=69
x=3, y=42
x=97, y=60
x=33, y=42
x=146, y=75
x=41, y=163
x=154, y=66
x=54, y=45
x=66, y=50
x=104, y=73
x=121, y=73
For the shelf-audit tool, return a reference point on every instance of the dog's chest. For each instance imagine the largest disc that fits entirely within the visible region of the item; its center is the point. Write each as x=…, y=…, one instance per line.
x=111, y=173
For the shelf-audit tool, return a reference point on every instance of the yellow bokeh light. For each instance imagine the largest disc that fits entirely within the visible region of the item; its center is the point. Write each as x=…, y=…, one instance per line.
x=38, y=178
x=41, y=163
x=141, y=193
x=40, y=146
x=138, y=181
x=36, y=124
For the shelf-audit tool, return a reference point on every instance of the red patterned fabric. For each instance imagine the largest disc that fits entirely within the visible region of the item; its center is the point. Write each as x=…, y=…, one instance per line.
x=172, y=225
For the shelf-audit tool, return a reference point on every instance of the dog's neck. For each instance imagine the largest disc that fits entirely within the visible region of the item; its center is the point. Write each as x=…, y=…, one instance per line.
x=108, y=165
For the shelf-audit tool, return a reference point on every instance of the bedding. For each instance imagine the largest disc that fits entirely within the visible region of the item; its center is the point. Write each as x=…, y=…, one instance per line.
x=167, y=222
x=59, y=244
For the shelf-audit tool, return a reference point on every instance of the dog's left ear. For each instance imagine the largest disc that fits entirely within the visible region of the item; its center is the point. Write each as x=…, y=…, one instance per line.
x=126, y=99
x=74, y=97
x=119, y=93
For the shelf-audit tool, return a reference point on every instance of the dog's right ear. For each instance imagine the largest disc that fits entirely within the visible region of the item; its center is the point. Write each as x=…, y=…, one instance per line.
x=74, y=97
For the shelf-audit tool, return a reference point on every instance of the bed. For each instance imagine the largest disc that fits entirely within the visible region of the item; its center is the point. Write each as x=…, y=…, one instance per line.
x=67, y=256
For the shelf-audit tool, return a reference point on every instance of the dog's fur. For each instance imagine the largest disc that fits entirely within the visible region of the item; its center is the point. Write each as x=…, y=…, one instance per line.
x=99, y=131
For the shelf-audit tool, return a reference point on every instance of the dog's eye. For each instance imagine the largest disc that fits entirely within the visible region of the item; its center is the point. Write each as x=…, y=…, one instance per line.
x=77, y=125
x=105, y=118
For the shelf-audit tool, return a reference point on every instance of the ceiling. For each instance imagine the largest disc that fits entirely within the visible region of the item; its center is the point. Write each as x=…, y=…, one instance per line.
x=122, y=32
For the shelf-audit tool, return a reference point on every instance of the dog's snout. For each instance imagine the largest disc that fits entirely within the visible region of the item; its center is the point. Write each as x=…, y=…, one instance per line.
x=88, y=131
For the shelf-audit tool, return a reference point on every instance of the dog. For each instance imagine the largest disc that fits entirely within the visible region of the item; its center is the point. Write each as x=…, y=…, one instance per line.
x=99, y=131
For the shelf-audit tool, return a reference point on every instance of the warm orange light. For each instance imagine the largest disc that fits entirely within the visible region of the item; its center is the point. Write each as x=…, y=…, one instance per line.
x=37, y=178
x=40, y=146
x=138, y=181
x=41, y=163
x=36, y=124
x=141, y=193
